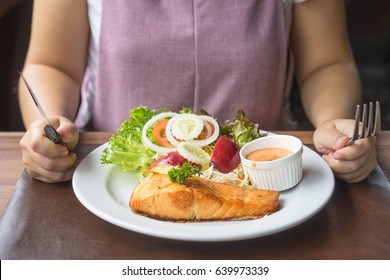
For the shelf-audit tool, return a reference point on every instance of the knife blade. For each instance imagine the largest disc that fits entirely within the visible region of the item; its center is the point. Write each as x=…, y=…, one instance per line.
x=50, y=131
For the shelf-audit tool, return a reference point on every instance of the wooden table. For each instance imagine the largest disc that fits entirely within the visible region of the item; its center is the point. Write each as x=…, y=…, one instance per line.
x=354, y=224
x=11, y=164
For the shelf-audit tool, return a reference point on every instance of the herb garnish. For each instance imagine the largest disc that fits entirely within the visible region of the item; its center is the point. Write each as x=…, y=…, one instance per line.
x=180, y=173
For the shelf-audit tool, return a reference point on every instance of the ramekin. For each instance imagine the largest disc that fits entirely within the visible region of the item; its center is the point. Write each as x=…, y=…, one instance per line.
x=280, y=174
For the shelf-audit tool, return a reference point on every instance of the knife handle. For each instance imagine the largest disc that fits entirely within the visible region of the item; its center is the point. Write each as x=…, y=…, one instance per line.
x=53, y=135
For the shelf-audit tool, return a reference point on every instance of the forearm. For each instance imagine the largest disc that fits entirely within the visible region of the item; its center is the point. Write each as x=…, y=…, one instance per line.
x=56, y=58
x=325, y=69
x=331, y=92
x=56, y=91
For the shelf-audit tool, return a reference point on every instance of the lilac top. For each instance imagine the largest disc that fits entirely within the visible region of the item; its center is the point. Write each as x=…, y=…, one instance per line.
x=211, y=55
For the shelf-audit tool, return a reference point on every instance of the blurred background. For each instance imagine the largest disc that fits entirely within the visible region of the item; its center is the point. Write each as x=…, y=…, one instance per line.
x=369, y=31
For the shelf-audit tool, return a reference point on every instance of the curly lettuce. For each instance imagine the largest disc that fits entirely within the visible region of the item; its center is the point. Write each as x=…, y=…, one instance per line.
x=126, y=147
x=241, y=130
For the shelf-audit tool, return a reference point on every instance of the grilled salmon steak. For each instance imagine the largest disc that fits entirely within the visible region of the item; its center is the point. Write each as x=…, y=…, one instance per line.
x=199, y=200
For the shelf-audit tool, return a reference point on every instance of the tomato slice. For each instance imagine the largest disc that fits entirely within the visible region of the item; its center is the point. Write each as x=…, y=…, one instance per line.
x=159, y=133
x=205, y=133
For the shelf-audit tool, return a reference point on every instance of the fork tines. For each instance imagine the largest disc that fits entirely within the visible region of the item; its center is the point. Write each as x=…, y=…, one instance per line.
x=370, y=122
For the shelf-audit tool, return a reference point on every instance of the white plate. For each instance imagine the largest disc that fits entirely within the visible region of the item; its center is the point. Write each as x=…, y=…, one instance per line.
x=105, y=191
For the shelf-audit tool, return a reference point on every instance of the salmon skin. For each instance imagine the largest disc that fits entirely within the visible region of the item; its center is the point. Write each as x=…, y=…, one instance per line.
x=199, y=200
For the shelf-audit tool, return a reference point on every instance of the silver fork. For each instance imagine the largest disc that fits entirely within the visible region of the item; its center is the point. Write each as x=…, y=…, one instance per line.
x=366, y=128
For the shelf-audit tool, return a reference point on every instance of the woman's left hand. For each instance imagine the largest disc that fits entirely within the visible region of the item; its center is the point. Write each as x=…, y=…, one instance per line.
x=349, y=163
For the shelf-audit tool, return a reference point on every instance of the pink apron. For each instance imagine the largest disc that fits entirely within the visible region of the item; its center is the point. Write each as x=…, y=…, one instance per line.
x=217, y=55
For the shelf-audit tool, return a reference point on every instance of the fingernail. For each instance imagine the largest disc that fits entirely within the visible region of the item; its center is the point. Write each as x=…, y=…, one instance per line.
x=65, y=152
x=341, y=141
x=337, y=156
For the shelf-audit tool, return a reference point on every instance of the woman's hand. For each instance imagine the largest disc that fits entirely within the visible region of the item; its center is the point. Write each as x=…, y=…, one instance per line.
x=45, y=160
x=352, y=163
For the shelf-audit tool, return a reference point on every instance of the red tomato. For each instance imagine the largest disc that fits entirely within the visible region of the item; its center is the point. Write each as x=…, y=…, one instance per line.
x=226, y=155
x=172, y=158
x=159, y=133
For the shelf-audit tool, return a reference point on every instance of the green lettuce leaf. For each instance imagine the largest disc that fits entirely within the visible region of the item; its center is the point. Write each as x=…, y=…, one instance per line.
x=241, y=130
x=126, y=148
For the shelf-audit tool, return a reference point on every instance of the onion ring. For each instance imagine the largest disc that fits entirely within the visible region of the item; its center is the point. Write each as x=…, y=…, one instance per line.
x=210, y=139
x=146, y=140
x=200, y=143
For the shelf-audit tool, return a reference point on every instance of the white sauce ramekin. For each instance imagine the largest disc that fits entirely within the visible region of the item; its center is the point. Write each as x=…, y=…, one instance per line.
x=280, y=174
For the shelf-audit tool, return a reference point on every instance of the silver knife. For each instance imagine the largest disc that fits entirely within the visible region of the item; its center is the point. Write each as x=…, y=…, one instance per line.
x=51, y=133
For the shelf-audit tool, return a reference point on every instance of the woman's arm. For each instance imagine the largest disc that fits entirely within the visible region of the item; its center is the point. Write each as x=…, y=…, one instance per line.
x=54, y=68
x=325, y=67
x=56, y=58
x=330, y=86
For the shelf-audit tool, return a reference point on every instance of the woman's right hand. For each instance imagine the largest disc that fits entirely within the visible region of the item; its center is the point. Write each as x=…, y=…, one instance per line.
x=45, y=160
